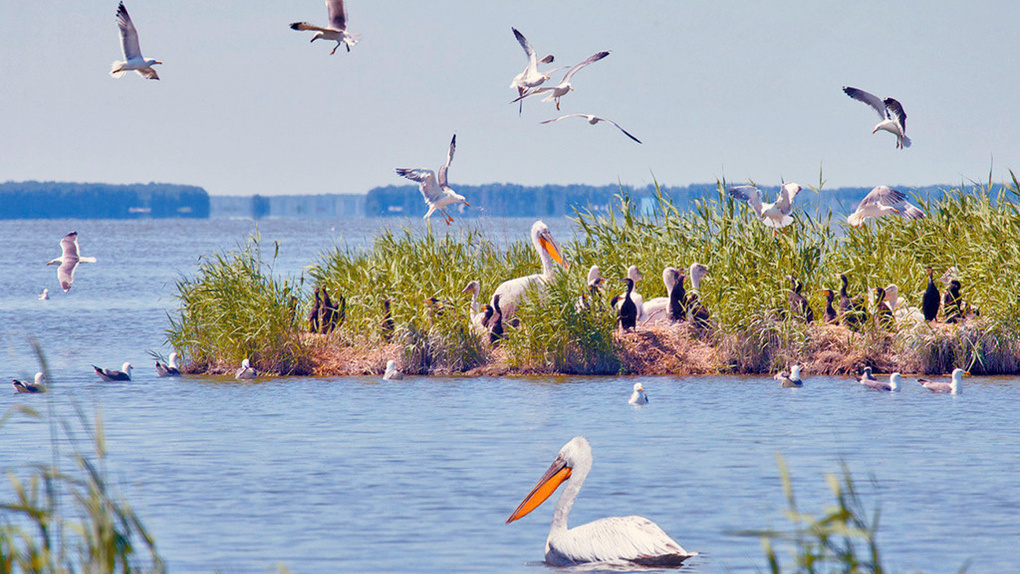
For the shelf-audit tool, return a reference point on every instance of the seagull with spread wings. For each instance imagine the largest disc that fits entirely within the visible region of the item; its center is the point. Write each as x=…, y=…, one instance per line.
x=437, y=192
x=894, y=119
x=132, y=52
x=530, y=77
x=69, y=260
x=592, y=119
x=337, y=30
x=882, y=201
x=563, y=88
x=774, y=215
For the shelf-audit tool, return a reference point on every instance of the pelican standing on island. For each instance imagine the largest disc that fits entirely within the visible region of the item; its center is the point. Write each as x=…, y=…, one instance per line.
x=69, y=260
x=437, y=192
x=512, y=291
x=630, y=540
x=337, y=30
x=133, y=59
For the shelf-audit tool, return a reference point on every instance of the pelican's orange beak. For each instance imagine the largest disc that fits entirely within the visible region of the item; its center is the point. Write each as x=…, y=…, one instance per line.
x=467, y=204
x=550, y=481
x=553, y=251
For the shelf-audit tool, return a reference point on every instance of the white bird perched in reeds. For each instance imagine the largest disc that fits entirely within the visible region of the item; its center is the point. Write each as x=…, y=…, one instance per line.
x=564, y=87
x=246, y=371
x=530, y=77
x=512, y=291
x=953, y=387
x=638, y=397
x=392, y=374
x=593, y=119
x=882, y=201
x=133, y=59
x=68, y=260
x=337, y=30
x=775, y=215
x=436, y=191
x=894, y=119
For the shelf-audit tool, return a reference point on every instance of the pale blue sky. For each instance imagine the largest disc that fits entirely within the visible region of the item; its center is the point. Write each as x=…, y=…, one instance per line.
x=714, y=89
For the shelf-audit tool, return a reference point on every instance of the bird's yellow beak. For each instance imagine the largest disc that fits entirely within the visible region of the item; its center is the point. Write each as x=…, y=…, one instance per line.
x=550, y=481
x=467, y=204
x=553, y=251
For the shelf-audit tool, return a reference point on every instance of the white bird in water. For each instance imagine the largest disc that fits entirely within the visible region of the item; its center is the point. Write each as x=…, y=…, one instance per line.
x=132, y=52
x=69, y=260
x=894, y=119
x=791, y=379
x=437, y=192
x=564, y=87
x=869, y=380
x=774, y=215
x=882, y=201
x=39, y=386
x=246, y=371
x=530, y=77
x=170, y=368
x=108, y=375
x=337, y=30
x=512, y=291
x=952, y=387
x=44, y=295
x=628, y=540
x=592, y=119
x=392, y=374
x=638, y=397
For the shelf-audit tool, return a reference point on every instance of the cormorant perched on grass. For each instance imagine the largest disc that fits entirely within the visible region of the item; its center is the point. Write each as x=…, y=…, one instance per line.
x=387, y=323
x=799, y=306
x=883, y=314
x=853, y=312
x=930, y=300
x=313, y=314
x=829, y=316
x=628, y=309
x=952, y=302
x=325, y=313
x=496, y=332
x=678, y=299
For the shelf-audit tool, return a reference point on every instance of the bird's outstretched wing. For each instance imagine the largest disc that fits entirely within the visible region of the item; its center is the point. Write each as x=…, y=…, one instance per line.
x=625, y=132
x=128, y=34
x=895, y=112
x=591, y=60
x=871, y=99
x=532, y=57
x=426, y=179
x=337, y=14
x=786, y=195
x=882, y=195
x=449, y=160
x=750, y=194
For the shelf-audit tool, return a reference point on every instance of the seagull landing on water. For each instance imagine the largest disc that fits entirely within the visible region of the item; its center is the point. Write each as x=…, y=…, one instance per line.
x=774, y=215
x=337, y=30
x=69, y=260
x=592, y=119
x=437, y=192
x=132, y=52
x=894, y=119
x=563, y=88
x=882, y=201
x=530, y=77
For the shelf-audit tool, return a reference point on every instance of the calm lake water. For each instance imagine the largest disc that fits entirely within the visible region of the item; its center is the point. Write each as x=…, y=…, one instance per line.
x=362, y=475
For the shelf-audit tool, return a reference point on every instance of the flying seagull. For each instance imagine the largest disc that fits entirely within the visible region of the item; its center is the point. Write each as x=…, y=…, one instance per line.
x=593, y=120
x=530, y=77
x=894, y=119
x=774, y=215
x=69, y=260
x=132, y=52
x=437, y=192
x=883, y=201
x=563, y=88
x=337, y=30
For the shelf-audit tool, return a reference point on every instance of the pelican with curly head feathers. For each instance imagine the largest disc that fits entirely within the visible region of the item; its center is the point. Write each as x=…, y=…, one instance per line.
x=625, y=540
x=512, y=291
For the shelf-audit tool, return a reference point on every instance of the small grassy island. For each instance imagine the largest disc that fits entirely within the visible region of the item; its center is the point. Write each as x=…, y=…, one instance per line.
x=403, y=299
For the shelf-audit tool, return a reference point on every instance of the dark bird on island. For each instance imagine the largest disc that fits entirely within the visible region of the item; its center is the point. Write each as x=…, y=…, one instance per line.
x=931, y=299
x=387, y=323
x=952, y=387
x=882, y=201
x=316, y=310
x=339, y=311
x=337, y=29
x=829, y=316
x=894, y=119
x=496, y=331
x=325, y=312
x=34, y=387
x=883, y=312
x=952, y=303
x=69, y=260
x=170, y=368
x=696, y=312
x=678, y=298
x=799, y=306
x=627, y=315
x=124, y=374
x=852, y=311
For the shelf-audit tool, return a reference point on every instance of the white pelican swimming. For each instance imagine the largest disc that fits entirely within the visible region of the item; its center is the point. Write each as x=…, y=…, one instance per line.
x=630, y=540
x=882, y=201
x=512, y=291
x=246, y=371
x=69, y=260
x=869, y=380
x=170, y=368
x=638, y=397
x=132, y=52
x=337, y=30
x=437, y=192
x=894, y=119
x=530, y=77
x=791, y=379
x=774, y=215
x=39, y=386
x=592, y=119
x=392, y=374
x=563, y=88
x=124, y=374
x=952, y=387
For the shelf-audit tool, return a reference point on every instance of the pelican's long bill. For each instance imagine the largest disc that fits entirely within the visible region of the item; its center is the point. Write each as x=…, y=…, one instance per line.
x=550, y=481
x=553, y=250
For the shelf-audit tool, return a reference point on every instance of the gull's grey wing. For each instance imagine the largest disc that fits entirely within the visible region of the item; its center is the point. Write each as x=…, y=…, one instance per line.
x=867, y=98
x=882, y=195
x=750, y=194
x=562, y=117
x=426, y=179
x=591, y=60
x=526, y=45
x=895, y=112
x=65, y=273
x=531, y=92
x=69, y=246
x=625, y=132
x=449, y=160
x=786, y=195
x=337, y=14
x=128, y=34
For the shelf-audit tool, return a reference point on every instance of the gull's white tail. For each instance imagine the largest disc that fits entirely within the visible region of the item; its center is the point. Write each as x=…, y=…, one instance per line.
x=906, y=141
x=351, y=39
x=117, y=69
x=86, y=260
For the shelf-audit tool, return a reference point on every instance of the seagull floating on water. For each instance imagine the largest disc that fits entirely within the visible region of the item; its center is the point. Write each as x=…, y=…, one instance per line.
x=246, y=371
x=108, y=375
x=953, y=387
x=392, y=374
x=44, y=295
x=869, y=380
x=563, y=88
x=437, y=192
x=69, y=260
x=592, y=119
x=791, y=379
x=337, y=30
x=894, y=119
x=882, y=201
x=638, y=397
x=774, y=215
x=36, y=387
x=132, y=52
x=530, y=77
x=169, y=369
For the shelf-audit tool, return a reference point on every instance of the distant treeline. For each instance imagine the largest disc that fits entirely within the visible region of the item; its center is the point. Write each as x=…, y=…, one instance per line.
x=58, y=200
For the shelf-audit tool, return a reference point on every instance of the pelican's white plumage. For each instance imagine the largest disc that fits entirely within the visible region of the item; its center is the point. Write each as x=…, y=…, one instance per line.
x=132, y=51
x=593, y=119
x=170, y=368
x=392, y=374
x=627, y=540
x=436, y=191
x=657, y=308
x=69, y=260
x=512, y=291
x=882, y=201
x=894, y=119
x=775, y=214
x=564, y=87
x=638, y=397
x=954, y=386
x=246, y=371
x=337, y=29
x=479, y=313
